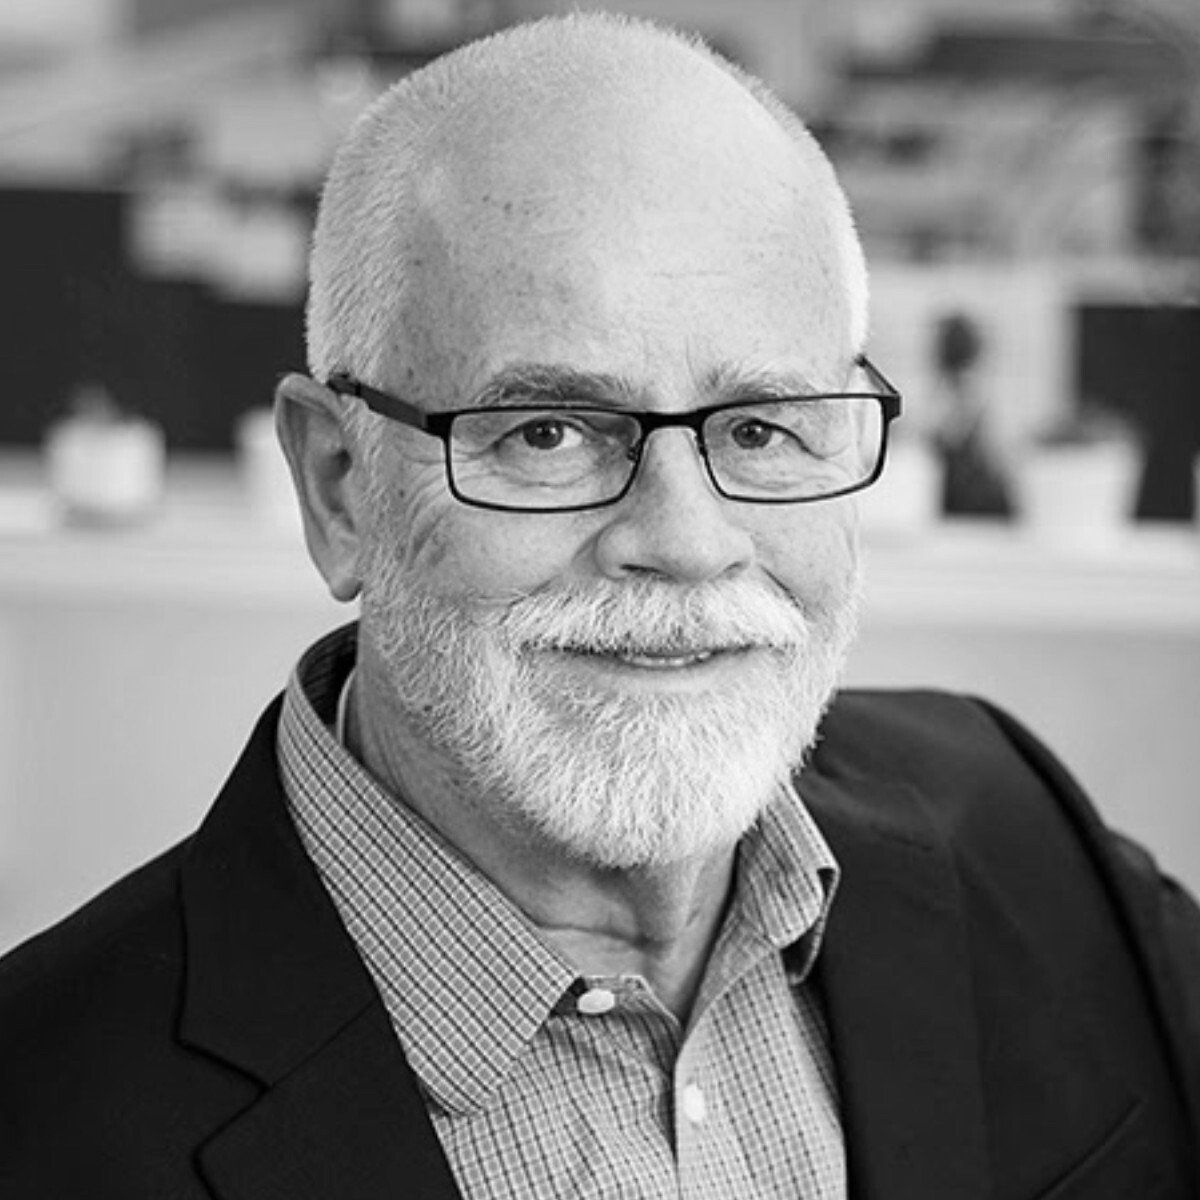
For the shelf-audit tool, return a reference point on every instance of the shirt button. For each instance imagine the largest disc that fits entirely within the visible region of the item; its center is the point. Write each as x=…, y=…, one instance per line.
x=595, y=1002
x=695, y=1107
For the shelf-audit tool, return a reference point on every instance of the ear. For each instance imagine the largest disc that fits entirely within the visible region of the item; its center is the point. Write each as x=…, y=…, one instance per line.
x=322, y=463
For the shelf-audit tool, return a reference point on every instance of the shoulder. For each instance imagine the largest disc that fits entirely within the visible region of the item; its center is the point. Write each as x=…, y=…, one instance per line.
x=996, y=791
x=131, y=929
x=857, y=714
x=82, y=1004
x=92, y=1064
x=1035, y=864
x=128, y=942
x=923, y=737
x=1008, y=810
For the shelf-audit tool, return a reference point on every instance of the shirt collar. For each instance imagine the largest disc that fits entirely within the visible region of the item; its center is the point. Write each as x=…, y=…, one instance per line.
x=465, y=977
x=787, y=875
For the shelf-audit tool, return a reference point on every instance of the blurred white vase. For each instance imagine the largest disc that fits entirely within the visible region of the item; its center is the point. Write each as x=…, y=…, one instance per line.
x=1078, y=497
x=105, y=469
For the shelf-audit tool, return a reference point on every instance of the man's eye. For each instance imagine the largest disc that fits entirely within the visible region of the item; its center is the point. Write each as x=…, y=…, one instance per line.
x=546, y=433
x=752, y=434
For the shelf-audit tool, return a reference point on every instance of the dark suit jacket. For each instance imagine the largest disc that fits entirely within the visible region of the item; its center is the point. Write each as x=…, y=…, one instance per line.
x=1007, y=990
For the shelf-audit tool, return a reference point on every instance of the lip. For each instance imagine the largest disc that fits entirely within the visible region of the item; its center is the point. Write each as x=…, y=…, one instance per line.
x=663, y=661
x=646, y=661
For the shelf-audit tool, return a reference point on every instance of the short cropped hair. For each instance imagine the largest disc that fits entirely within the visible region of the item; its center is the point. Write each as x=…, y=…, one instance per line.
x=371, y=198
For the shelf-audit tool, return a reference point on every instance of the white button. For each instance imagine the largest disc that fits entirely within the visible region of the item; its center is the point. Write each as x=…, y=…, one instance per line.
x=695, y=1107
x=596, y=1001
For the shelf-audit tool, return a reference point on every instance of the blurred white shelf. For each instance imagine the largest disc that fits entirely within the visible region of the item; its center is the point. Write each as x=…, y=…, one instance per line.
x=973, y=572
x=207, y=546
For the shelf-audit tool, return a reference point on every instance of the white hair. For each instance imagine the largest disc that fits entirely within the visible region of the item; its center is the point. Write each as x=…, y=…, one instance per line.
x=372, y=199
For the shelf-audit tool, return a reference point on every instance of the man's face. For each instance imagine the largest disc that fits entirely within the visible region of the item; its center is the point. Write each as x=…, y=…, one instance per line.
x=672, y=653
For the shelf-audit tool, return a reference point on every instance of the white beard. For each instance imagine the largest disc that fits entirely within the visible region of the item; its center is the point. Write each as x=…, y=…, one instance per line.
x=618, y=779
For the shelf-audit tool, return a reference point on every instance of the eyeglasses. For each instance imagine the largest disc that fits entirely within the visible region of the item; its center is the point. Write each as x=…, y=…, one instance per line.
x=567, y=458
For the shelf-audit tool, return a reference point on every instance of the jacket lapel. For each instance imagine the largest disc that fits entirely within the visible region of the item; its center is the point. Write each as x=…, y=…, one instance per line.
x=341, y=1126
x=894, y=972
x=276, y=990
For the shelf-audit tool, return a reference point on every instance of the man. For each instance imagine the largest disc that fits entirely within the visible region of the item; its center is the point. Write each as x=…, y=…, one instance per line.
x=515, y=892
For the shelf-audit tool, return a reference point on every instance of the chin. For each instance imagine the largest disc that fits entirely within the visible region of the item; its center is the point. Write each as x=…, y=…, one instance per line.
x=646, y=782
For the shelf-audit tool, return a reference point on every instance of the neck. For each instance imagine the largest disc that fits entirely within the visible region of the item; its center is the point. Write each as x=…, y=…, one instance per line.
x=659, y=922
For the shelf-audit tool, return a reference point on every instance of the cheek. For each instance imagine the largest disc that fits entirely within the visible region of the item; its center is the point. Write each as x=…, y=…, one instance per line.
x=399, y=514
x=424, y=525
x=812, y=552
x=472, y=553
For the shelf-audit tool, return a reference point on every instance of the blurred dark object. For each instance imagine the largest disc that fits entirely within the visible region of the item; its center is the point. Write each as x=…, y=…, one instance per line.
x=1113, y=55
x=62, y=255
x=1169, y=179
x=171, y=348
x=1144, y=361
x=396, y=37
x=973, y=481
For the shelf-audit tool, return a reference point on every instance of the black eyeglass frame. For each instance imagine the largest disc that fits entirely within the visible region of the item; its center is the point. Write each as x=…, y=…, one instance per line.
x=439, y=425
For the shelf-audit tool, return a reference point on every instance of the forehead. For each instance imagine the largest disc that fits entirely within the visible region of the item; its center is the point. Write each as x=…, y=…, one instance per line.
x=662, y=258
x=661, y=303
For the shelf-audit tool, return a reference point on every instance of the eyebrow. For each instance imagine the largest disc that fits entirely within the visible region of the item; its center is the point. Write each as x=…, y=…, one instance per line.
x=555, y=384
x=742, y=381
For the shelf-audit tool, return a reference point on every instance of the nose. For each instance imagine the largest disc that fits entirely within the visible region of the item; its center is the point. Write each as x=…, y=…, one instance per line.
x=673, y=524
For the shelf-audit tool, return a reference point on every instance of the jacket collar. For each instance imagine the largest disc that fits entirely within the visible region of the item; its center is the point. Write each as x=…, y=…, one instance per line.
x=275, y=989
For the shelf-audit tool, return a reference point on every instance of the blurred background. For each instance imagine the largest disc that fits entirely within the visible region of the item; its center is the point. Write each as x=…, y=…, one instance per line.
x=1026, y=176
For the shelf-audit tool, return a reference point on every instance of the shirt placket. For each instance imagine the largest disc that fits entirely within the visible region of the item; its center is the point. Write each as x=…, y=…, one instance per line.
x=694, y=1122
x=708, y=1162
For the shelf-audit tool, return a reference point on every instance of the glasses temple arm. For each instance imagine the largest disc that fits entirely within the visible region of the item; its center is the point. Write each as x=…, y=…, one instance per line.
x=877, y=375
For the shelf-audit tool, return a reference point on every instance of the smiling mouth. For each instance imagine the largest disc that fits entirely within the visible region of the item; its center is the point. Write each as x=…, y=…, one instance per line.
x=654, y=660
x=665, y=662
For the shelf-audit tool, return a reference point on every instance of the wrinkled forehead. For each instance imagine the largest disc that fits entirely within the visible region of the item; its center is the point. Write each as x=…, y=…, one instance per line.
x=622, y=213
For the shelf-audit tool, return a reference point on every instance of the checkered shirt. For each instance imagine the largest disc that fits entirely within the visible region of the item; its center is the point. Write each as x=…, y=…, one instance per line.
x=532, y=1095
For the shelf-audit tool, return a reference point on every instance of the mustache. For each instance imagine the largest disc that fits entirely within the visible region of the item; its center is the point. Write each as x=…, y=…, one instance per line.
x=646, y=616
